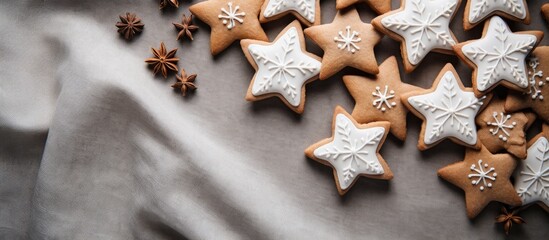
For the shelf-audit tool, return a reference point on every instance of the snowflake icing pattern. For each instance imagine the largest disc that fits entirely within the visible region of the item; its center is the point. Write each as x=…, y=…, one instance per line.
x=535, y=84
x=305, y=8
x=482, y=174
x=382, y=98
x=231, y=16
x=482, y=8
x=348, y=41
x=424, y=28
x=501, y=124
x=506, y=56
x=536, y=178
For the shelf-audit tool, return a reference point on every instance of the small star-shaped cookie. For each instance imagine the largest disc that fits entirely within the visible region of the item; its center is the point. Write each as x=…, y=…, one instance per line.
x=484, y=177
x=499, y=56
x=230, y=20
x=448, y=110
x=306, y=11
x=352, y=151
x=421, y=26
x=498, y=130
x=478, y=10
x=347, y=41
x=532, y=174
x=538, y=89
x=379, y=6
x=283, y=67
x=379, y=98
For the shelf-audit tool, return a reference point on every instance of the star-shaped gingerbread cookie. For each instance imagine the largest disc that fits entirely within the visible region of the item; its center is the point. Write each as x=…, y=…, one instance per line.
x=283, y=67
x=537, y=96
x=347, y=41
x=499, y=56
x=379, y=98
x=484, y=177
x=306, y=11
x=352, y=151
x=532, y=174
x=230, y=20
x=477, y=11
x=421, y=26
x=448, y=110
x=379, y=6
x=498, y=130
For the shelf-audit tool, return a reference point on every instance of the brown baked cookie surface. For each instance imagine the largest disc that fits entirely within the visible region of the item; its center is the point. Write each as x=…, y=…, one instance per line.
x=379, y=6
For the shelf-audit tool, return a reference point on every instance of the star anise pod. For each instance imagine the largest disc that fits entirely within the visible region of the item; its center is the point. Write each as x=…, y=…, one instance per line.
x=186, y=27
x=163, y=60
x=508, y=218
x=185, y=82
x=165, y=3
x=129, y=25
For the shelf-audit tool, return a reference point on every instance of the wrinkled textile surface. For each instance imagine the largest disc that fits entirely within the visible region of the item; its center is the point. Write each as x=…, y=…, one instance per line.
x=92, y=146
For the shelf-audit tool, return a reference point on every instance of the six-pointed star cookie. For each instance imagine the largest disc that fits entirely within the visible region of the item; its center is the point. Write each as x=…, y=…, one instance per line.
x=478, y=10
x=421, y=26
x=484, y=177
x=230, y=20
x=352, y=151
x=538, y=77
x=282, y=67
x=379, y=6
x=499, y=130
x=448, y=110
x=378, y=98
x=499, y=56
x=347, y=41
x=307, y=11
x=532, y=174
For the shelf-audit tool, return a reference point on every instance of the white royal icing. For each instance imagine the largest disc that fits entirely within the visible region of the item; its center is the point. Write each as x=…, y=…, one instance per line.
x=424, y=25
x=532, y=175
x=305, y=8
x=500, y=125
x=536, y=79
x=348, y=40
x=482, y=175
x=500, y=55
x=231, y=15
x=449, y=111
x=283, y=67
x=353, y=151
x=480, y=9
x=383, y=98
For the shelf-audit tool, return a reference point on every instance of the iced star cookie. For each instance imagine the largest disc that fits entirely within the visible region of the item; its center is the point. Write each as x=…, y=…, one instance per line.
x=499, y=56
x=283, y=67
x=448, y=110
x=347, y=42
x=306, y=11
x=484, y=178
x=532, y=174
x=379, y=98
x=352, y=151
x=421, y=26
x=538, y=88
x=498, y=130
x=379, y=6
x=230, y=20
x=477, y=11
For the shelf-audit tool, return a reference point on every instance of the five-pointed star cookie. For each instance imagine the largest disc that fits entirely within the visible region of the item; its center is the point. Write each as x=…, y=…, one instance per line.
x=532, y=175
x=448, y=110
x=306, y=11
x=379, y=6
x=484, y=177
x=499, y=56
x=478, y=10
x=538, y=89
x=283, y=67
x=421, y=26
x=230, y=20
x=379, y=98
x=500, y=130
x=352, y=151
x=347, y=41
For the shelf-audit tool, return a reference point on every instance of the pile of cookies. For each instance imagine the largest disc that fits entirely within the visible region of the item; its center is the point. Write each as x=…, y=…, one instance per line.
x=491, y=128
